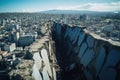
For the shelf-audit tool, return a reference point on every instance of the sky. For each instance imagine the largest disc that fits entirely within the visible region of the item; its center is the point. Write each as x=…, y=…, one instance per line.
x=41, y=5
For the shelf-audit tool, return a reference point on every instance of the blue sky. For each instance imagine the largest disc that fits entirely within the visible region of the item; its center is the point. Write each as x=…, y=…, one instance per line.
x=40, y=5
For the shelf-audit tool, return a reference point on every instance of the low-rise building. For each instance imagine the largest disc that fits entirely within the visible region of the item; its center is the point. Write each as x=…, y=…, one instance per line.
x=25, y=40
x=10, y=47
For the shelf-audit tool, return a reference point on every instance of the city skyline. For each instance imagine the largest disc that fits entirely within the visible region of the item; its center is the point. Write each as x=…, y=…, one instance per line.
x=42, y=5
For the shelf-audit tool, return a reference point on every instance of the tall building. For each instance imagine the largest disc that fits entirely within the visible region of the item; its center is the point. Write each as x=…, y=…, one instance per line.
x=14, y=37
x=4, y=23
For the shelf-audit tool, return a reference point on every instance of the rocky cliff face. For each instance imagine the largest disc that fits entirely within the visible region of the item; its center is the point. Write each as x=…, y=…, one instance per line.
x=44, y=59
x=43, y=51
x=85, y=56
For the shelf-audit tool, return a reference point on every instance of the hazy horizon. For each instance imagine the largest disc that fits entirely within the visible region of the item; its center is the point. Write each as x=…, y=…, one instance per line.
x=43, y=5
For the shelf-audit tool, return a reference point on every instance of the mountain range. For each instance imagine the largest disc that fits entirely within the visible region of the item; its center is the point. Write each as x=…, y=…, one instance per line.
x=74, y=12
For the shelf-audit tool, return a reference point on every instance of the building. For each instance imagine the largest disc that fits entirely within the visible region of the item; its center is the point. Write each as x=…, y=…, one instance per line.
x=16, y=37
x=3, y=53
x=13, y=37
x=10, y=47
x=25, y=40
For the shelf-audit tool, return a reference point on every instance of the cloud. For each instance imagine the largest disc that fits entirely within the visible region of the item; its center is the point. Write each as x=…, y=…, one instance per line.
x=94, y=6
x=88, y=6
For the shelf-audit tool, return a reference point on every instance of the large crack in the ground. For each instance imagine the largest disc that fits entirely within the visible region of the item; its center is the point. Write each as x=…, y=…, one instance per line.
x=85, y=56
x=64, y=60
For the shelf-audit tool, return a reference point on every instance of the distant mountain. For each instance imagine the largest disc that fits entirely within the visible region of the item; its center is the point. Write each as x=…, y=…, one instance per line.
x=61, y=12
x=70, y=12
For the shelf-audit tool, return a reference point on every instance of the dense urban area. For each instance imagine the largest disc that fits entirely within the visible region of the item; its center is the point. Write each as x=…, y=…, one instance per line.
x=22, y=34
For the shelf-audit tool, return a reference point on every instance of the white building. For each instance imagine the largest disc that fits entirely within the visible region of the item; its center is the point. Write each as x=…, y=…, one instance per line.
x=16, y=37
x=10, y=47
